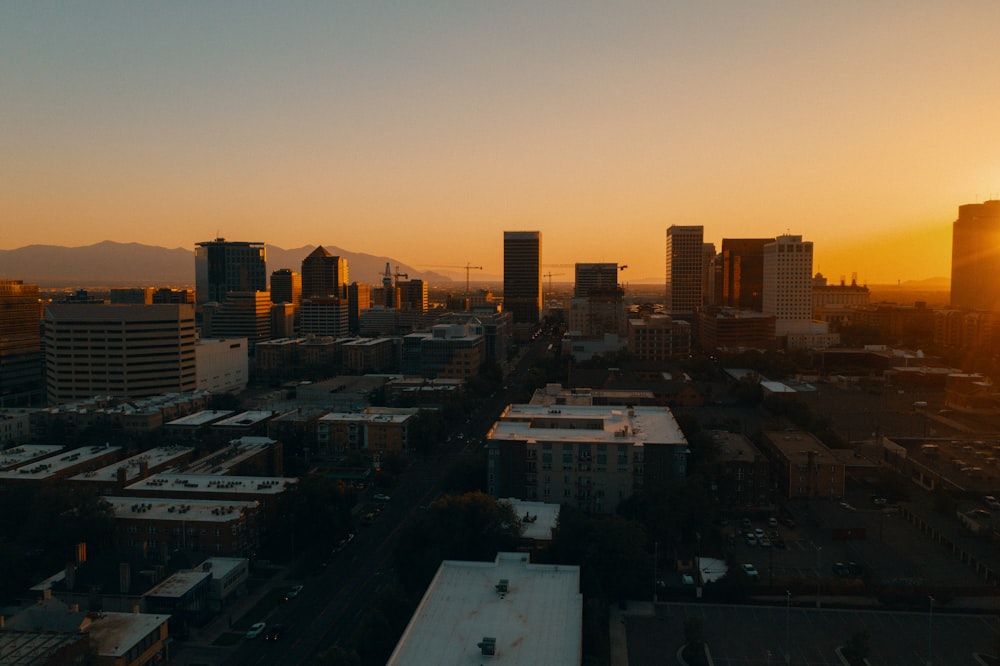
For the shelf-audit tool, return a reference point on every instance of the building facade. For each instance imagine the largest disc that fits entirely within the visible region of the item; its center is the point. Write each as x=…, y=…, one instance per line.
x=20, y=343
x=685, y=269
x=118, y=350
x=286, y=287
x=324, y=275
x=975, y=257
x=522, y=275
x=223, y=266
x=743, y=272
x=788, y=274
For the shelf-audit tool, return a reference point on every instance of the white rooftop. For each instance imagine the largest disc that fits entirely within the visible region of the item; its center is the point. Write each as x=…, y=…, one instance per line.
x=153, y=458
x=156, y=508
x=537, y=621
x=115, y=634
x=25, y=453
x=228, y=457
x=178, y=584
x=201, y=418
x=52, y=465
x=224, y=485
x=366, y=417
x=588, y=423
x=538, y=519
x=247, y=418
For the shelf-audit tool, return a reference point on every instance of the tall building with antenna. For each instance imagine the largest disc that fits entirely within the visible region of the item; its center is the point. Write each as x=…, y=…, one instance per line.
x=222, y=266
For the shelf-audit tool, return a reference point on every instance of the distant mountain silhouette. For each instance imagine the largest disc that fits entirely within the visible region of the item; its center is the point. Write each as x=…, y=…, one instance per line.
x=112, y=264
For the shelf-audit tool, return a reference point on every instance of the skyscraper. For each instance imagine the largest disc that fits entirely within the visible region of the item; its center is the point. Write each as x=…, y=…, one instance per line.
x=522, y=275
x=20, y=343
x=324, y=275
x=788, y=282
x=685, y=268
x=589, y=277
x=975, y=257
x=286, y=287
x=743, y=272
x=223, y=266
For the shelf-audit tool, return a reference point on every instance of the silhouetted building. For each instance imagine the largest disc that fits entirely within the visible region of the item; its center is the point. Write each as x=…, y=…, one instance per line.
x=223, y=266
x=324, y=275
x=132, y=295
x=286, y=287
x=522, y=275
x=20, y=343
x=167, y=295
x=975, y=257
x=743, y=273
x=359, y=298
x=413, y=295
x=243, y=314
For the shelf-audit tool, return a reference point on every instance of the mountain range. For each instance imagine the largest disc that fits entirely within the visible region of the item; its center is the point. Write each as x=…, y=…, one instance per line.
x=112, y=264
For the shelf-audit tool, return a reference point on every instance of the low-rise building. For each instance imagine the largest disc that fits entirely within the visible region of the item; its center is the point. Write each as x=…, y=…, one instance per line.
x=374, y=430
x=110, y=479
x=802, y=466
x=57, y=468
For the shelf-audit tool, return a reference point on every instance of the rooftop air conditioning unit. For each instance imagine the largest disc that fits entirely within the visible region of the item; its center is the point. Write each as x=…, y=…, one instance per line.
x=488, y=646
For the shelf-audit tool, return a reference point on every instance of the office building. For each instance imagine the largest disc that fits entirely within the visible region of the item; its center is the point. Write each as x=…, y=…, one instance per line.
x=591, y=278
x=685, y=269
x=522, y=275
x=243, y=314
x=20, y=343
x=359, y=298
x=223, y=266
x=168, y=295
x=413, y=295
x=324, y=316
x=455, y=351
x=787, y=296
x=118, y=350
x=324, y=275
x=658, y=337
x=743, y=273
x=223, y=365
x=975, y=257
x=589, y=457
x=286, y=287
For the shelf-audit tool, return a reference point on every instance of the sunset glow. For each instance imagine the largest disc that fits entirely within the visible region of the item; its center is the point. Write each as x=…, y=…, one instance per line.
x=423, y=130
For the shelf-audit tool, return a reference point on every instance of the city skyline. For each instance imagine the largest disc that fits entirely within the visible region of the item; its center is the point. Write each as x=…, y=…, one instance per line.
x=600, y=126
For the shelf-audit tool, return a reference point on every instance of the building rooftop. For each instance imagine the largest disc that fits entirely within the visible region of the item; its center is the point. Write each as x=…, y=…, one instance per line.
x=539, y=519
x=190, y=510
x=367, y=417
x=27, y=648
x=153, y=458
x=20, y=455
x=53, y=465
x=734, y=446
x=245, y=419
x=201, y=418
x=228, y=457
x=179, y=584
x=797, y=446
x=115, y=634
x=223, y=485
x=588, y=423
x=537, y=620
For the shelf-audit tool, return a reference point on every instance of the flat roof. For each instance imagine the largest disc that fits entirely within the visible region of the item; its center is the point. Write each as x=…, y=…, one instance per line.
x=247, y=418
x=219, y=567
x=538, y=519
x=776, y=387
x=228, y=457
x=224, y=485
x=115, y=634
x=537, y=621
x=25, y=453
x=26, y=648
x=201, y=418
x=588, y=423
x=366, y=417
x=161, y=455
x=734, y=446
x=796, y=445
x=178, y=584
x=54, y=464
x=190, y=510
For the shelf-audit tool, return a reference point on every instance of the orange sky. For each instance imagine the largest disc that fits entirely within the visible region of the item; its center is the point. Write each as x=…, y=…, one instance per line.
x=423, y=131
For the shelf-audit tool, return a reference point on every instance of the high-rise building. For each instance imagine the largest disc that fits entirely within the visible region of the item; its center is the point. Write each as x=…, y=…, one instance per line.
x=223, y=266
x=522, y=275
x=787, y=293
x=743, y=273
x=685, y=269
x=119, y=350
x=589, y=277
x=20, y=343
x=413, y=295
x=598, y=304
x=975, y=257
x=359, y=298
x=286, y=287
x=244, y=314
x=324, y=316
x=324, y=275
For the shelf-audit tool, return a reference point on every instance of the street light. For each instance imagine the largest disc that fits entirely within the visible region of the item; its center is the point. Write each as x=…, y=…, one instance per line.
x=930, y=621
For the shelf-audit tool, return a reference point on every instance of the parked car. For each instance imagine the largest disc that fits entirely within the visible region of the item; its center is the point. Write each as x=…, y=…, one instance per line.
x=751, y=571
x=256, y=629
x=772, y=522
x=750, y=540
x=764, y=542
x=382, y=497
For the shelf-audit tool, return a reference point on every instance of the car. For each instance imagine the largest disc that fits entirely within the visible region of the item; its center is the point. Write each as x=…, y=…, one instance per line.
x=274, y=633
x=772, y=522
x=751, y=571
x=750, y=540
x=758, y=532
x=293, y=592
x=256, y=629
x=764, y=542
x=991, y=502
x=381, y=497
x=880, y=501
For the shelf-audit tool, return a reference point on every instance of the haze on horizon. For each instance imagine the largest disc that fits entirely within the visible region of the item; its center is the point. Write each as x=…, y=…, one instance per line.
x=424, y=130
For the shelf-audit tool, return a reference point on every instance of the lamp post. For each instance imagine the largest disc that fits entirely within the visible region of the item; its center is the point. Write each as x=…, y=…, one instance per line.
x=819, y=551
x=788, y=649
x=930, y=625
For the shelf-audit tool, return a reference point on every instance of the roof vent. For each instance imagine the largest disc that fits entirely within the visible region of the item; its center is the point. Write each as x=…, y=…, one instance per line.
x=488, y=646
x=502, y=586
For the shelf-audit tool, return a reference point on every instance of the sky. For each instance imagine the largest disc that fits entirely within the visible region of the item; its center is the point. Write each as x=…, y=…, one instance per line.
x=423, y=130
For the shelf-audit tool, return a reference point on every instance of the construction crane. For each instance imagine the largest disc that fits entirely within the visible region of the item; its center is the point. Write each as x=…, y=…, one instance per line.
x=549, y=276
x=467, y=267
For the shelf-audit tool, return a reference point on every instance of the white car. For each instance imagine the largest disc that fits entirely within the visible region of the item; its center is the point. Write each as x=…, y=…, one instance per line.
x=750, y=570
x=381, y=497
x=293, y=592
x=256, y=630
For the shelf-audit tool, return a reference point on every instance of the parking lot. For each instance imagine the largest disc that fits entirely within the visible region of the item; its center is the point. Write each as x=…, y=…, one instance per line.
x=756, y=635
